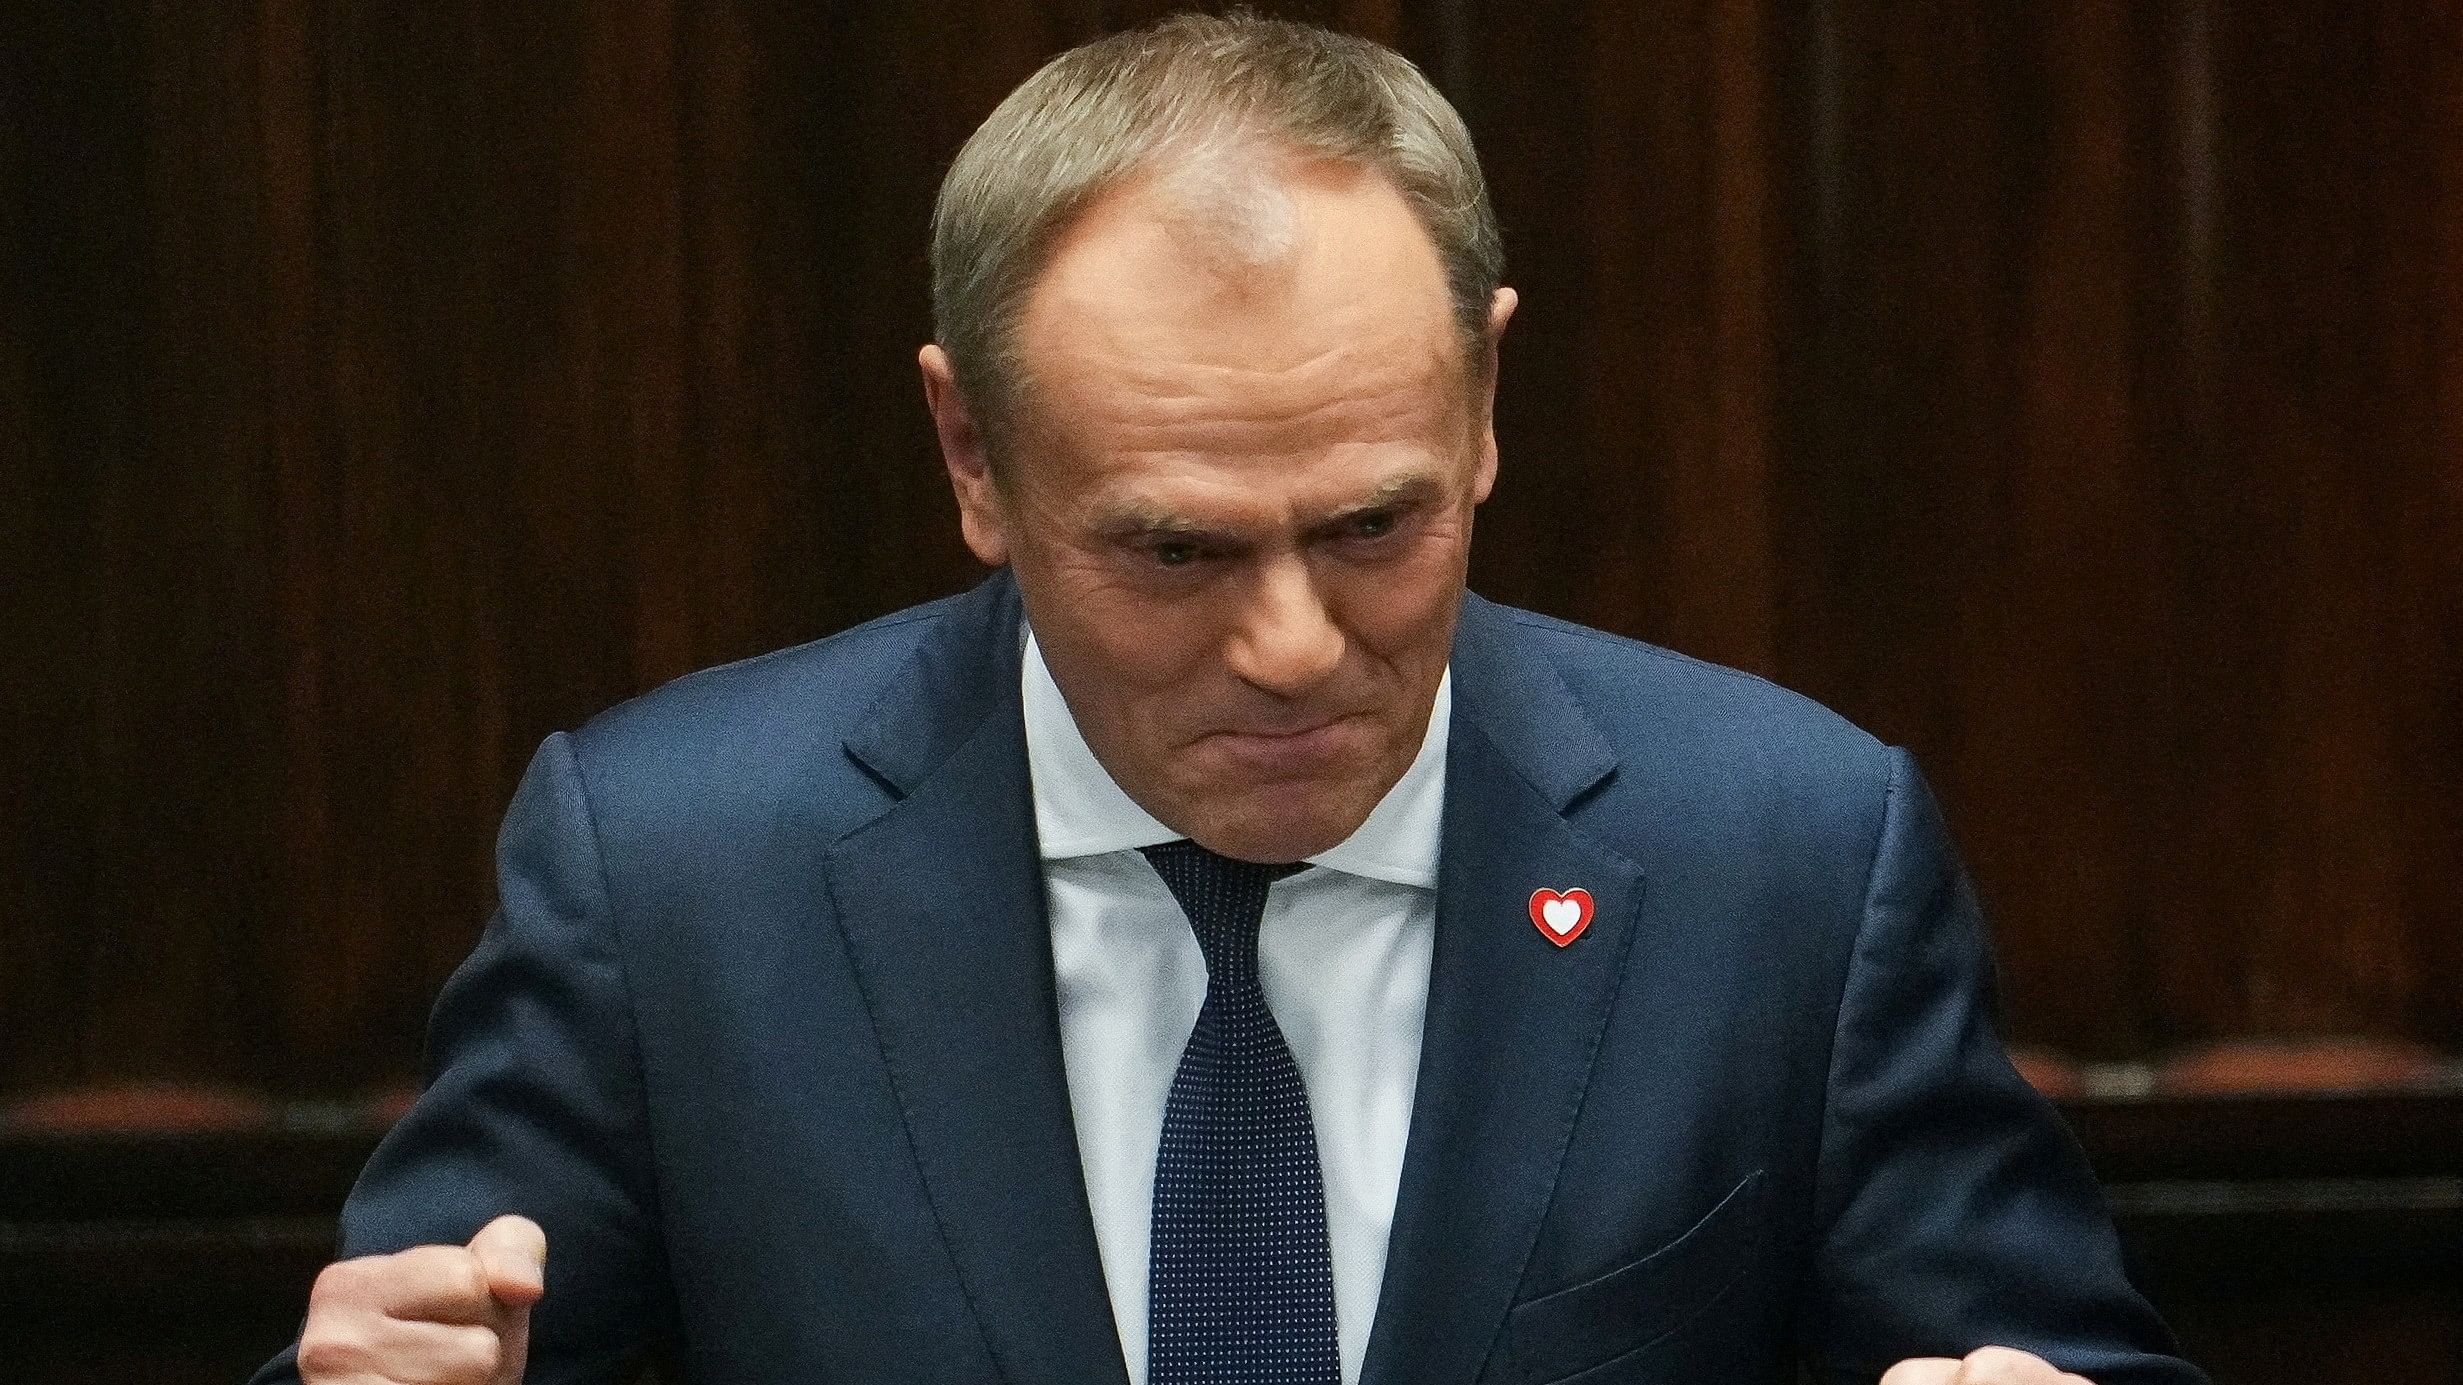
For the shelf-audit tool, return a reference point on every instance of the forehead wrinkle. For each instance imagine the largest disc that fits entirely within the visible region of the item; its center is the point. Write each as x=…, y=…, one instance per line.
x=1201, y=429
x=1226, y=405
x=1132, y=346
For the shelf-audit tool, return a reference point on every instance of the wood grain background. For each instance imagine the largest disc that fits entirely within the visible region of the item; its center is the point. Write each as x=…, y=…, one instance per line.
x=2068, y=391
x=2071, y=391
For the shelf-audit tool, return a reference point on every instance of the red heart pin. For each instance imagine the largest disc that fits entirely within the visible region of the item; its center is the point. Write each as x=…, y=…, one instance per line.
x=1561, y=918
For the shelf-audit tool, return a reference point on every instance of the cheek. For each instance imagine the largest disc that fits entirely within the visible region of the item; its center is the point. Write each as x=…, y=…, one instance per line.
x=1159, y=667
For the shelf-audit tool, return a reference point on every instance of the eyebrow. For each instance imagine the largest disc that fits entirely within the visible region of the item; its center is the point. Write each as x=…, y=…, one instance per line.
x=1402, y=492
x=1137, y=518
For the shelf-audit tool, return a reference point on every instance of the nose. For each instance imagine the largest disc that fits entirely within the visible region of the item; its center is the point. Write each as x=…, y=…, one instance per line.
x=1287, y=641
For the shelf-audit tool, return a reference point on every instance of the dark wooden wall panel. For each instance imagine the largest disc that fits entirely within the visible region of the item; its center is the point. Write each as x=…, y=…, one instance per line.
x=2115, y=481
x=2073, y=392
x=1628, y=154
x=2318, y=493
x=2068, y=392
x=140, y=560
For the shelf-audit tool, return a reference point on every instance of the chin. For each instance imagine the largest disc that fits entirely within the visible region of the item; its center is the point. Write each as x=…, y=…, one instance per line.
x=1275, y=832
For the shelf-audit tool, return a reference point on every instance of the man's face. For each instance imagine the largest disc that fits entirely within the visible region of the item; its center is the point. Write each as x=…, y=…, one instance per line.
x=1239, y=510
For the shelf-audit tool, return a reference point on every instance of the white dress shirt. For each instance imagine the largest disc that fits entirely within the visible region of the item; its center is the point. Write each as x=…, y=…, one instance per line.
x=1343, y=955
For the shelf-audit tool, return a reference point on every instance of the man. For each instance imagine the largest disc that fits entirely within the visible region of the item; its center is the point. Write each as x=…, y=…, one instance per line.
x=1218, y=948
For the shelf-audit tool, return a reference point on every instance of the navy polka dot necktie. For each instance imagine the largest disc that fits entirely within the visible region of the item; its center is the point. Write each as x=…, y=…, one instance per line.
x=1240, y=1278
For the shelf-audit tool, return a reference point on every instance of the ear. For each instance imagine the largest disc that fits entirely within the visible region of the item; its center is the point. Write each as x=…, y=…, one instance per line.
x=982, y=517
x=1500, y=312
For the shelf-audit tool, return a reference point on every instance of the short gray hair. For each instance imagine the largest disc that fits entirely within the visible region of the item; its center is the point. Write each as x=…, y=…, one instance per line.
x=1191, y=85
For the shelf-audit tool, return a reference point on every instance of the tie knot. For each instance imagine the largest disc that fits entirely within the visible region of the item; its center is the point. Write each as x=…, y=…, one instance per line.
x=1225, y=899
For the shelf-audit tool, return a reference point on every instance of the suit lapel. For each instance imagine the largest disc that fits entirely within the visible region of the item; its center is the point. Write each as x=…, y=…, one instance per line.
x=1513, y=1020
x=941, y=900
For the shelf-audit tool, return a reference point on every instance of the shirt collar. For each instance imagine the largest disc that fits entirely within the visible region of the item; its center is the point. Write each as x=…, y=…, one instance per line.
x=1080, y=810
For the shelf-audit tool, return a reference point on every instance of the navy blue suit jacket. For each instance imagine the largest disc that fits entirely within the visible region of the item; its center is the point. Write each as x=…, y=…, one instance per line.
x=764, y=1036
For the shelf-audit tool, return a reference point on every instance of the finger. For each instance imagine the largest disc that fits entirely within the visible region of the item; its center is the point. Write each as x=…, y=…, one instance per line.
x=515, y=1339
x=1922, y=1370
x=365, y=1345
x=2006, y=1366
x=513, y=1251
x=512, y=1254
x=422, y=1284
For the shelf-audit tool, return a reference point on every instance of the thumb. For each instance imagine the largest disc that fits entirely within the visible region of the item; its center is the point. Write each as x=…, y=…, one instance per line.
x=1923, y=1370
x=512, y=1253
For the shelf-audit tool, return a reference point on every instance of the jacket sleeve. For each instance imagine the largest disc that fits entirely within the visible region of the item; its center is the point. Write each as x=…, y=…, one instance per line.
x=1955, y=1209
x=534, y=1103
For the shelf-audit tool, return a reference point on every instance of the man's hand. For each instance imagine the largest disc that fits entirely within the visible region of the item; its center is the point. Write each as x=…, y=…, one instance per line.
x=433, y=1315
x=1985, y=1366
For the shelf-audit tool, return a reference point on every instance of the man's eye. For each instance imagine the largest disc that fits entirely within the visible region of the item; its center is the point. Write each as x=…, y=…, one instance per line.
x=1373, y=526
x=1174, y=553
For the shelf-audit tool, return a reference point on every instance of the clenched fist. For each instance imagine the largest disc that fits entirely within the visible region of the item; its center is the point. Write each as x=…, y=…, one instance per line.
x=430, y=1315
x=1988, y=1366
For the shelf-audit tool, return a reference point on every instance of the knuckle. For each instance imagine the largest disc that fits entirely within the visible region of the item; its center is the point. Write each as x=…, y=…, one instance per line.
x=478, y=1354
x=325, y=1352
x=2000, y=1366
x=469, y=1279
x=344, y=1281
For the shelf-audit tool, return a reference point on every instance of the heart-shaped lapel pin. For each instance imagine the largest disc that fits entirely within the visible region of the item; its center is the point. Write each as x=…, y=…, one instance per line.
x=1561, y=917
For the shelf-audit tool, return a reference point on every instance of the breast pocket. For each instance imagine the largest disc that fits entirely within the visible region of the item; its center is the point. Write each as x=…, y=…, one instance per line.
x=1630, y=1308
